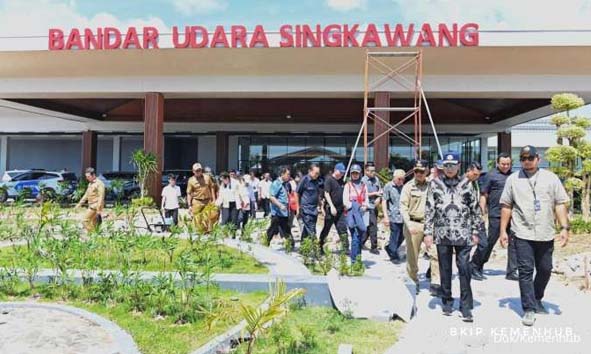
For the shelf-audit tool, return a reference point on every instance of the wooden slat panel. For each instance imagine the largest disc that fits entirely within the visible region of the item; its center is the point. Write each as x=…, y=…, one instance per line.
x=154, y=138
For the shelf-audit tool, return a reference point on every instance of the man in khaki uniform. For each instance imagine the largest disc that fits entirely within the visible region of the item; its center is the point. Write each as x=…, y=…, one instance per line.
x=412, y=207
x=95, y=196
x=201, y=192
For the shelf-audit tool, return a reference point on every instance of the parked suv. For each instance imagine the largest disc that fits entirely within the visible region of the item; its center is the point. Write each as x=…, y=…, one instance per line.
x=36, y=183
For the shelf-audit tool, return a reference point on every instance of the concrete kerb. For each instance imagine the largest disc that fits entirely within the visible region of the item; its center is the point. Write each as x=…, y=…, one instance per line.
x=123, y=339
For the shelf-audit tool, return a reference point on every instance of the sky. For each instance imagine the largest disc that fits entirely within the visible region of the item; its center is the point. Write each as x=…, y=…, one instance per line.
x=34, y=17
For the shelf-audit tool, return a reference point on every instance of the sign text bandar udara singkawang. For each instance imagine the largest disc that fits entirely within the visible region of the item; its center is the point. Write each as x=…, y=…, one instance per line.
x=294, y=36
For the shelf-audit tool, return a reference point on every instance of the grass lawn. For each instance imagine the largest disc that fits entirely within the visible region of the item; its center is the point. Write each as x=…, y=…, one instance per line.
x=159, y=335
x=320, y=330
x=149, y=257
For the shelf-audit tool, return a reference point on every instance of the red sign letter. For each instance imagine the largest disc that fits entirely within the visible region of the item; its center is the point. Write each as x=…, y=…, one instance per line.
x=56, y=39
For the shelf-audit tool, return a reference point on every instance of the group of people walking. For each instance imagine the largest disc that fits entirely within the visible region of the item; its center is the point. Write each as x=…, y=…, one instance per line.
x=438, y=213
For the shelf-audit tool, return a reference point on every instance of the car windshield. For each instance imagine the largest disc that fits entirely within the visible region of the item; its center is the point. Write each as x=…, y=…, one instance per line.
x=69, y=176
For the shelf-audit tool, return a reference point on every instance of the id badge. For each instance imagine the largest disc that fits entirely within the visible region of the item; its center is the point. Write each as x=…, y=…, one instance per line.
x=537, y=205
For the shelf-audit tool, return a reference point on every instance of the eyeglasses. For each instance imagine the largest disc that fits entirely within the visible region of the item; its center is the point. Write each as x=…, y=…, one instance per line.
x=529, y=158
x=449, y=166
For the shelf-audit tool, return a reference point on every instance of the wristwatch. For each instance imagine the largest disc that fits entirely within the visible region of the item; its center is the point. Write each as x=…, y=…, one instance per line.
x=567, y=227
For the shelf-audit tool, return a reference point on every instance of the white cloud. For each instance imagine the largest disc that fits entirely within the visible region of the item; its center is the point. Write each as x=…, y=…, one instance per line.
x=195, y=7
x=502, y=14
x=35, y=17
x=346, y=5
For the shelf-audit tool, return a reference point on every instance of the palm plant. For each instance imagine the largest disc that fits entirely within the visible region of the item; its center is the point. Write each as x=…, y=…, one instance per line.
x=258, y=319
x=146, y=164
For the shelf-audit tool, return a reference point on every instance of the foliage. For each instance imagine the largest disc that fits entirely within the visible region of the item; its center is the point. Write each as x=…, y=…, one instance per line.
x=310, y=250
x=320, y=330
x=568, y=159
x=566, y=102
x=257, y=319
x=142, y=202
x=580, y=226
x=146, y=164
x=385, y=175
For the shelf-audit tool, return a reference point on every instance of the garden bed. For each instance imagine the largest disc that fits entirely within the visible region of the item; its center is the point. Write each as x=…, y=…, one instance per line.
x=139, y=253
x=160, y=322
x=320, y=330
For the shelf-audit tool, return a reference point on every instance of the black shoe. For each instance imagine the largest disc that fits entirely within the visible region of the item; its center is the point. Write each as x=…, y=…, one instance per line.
x=447, y=310
x=540, y=309
x=467, y=316
x=396, y=260
x=477, y=275
x=428, y=273
x=374, y=251
x=512, y=276
x=435, y=290
x=417, y=288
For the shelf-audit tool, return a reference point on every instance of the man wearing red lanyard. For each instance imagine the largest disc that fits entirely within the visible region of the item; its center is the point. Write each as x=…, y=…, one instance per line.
x=356, y=201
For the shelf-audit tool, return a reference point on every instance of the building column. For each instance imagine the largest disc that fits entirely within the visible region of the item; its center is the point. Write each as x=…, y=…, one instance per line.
x=154, y=138
x=381, y=147
x=484, y=153
x=504, y=142
x=221, y=151
x=3, y=153
x=116, y=153
x=89, y=150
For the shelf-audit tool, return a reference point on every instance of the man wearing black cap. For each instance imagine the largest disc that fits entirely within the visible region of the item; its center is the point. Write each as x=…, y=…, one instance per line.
x=412, y=208
x=532, y=200
x=452, y=220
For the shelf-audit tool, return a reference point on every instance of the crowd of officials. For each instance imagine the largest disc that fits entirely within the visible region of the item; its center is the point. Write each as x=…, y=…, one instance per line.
x=437, y=212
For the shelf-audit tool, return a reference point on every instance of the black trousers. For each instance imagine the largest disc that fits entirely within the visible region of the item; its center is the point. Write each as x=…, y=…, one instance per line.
x=279, y=224
x=230, y=215
x=372, y=229
x=445, y=254
x=340, y=223
x=266, y=206
x=530, y=255
x=243, y=216
x=486, y=245
x=174, y=214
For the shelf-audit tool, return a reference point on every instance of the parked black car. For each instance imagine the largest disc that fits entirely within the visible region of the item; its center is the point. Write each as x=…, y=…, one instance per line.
x=121, y=185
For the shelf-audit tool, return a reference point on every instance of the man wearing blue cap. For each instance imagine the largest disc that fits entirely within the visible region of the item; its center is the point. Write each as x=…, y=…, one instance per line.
x=333, y=207
x=452, y=220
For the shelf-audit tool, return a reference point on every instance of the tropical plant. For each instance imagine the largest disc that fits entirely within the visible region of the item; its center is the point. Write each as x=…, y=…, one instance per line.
x=570, y=159
x=257, y=319
x=146, y=164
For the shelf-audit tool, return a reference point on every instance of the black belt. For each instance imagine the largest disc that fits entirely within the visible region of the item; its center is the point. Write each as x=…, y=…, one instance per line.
x=417, y=220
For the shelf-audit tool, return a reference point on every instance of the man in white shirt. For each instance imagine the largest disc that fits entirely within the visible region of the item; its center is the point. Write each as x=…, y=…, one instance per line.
x=265, y=186
x=170, y=200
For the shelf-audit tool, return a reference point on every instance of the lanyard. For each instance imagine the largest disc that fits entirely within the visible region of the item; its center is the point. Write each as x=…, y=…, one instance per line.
x=532, y=186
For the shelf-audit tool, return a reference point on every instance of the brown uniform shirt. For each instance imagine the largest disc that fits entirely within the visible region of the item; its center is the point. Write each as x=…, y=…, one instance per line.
x=95, y=195
x=412, y=201
x=200, y=189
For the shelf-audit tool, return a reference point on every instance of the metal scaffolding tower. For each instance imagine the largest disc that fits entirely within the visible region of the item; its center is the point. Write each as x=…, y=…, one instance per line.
x=400, y=73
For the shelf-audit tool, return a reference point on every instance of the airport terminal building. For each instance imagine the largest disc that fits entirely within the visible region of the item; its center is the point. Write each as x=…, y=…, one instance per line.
x=262, y=106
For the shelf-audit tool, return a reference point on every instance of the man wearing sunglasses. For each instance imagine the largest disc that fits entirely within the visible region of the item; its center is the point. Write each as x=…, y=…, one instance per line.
x=532, y=200
x=452, y=220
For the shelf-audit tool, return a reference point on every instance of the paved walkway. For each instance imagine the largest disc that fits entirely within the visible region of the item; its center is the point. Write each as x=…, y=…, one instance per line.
x=32, y=328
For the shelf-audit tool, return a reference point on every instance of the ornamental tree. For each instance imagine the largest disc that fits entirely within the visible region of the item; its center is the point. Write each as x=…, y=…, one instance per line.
x=570, y=159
